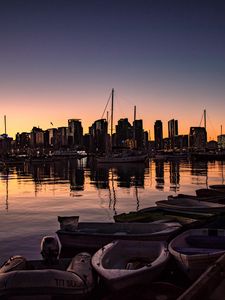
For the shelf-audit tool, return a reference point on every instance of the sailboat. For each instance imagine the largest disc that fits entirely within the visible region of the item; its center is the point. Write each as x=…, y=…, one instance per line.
x=129, y=156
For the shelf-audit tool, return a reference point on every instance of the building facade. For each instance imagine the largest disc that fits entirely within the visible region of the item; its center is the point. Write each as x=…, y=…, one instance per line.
x=158, y=131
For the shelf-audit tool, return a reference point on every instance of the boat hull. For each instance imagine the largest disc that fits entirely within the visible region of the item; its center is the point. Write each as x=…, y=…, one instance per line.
x=94, y=235
x=117, y=262
x=123, y=159
x=191, y=205
x=34, y=278
x=194, y=257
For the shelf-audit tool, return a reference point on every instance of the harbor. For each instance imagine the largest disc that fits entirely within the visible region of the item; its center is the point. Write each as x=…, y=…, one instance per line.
x=36, y=194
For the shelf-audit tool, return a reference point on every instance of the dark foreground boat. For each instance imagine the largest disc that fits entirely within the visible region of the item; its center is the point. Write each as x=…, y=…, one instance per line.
x=210, y=285
x=218, y=187
x=194, y=250
x=209, y=193
x=47, y=279
x=94, y=235
x=123, y=264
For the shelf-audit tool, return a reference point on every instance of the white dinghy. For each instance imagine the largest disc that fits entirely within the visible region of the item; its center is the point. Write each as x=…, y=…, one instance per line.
x=125, y=263
x=47, y=279
x=196, y=249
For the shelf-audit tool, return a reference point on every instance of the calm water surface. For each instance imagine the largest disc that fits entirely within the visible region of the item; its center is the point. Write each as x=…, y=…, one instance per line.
x=33, y=195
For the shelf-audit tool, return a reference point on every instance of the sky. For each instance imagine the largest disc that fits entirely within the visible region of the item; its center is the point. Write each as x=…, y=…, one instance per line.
x=59, y=60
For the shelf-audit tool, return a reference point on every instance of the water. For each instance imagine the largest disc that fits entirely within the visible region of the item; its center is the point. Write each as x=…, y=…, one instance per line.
x=33, y=195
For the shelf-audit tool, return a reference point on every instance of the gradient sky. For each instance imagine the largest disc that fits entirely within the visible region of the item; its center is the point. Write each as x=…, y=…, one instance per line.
x=60, y=59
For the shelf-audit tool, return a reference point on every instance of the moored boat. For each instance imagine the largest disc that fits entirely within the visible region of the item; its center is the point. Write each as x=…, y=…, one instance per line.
x=209, y=193
x=191, y=205
x=152, y=214
x=218, y=187
x=126, y=263
x=210, y=285
x=94, y=235
x=48, y=278
x=194, y=250
x=215, y=199
x=122, y=158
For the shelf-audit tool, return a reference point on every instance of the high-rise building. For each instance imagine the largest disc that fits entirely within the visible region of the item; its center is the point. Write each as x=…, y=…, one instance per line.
x=221, y=141
x=172, y=128
x=158, y=130
x=75, y=133
x=37, y=137
x=99, y=136
x=197, y=138
x=138, y=133
x=172, y=132
x=62, y=136
x=124, y=132
x=52, y=137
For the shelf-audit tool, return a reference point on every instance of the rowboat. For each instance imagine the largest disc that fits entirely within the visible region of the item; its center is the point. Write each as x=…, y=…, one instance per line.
x=209, y=193
x=94, y=235
x=152, y=214
x=191, y=205
x=48, y=278
x=215, y=199
x=210, y=285
x=194, y=250
x=122, y=264
x=218, y=187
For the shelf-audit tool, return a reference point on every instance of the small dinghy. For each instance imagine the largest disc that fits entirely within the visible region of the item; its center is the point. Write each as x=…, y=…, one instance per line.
x=91, y=236
x=218, y=187
x=191, y=205
x=126, y=263
x=196, y=249
x=49, y=278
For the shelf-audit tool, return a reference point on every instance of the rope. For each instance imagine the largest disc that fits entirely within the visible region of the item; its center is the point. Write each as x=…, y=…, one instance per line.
x=106, y=105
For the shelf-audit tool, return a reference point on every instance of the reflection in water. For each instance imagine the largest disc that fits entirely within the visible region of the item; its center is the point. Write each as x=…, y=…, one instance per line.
x=174, y=175
x=80, y=176
x=100, y=177
x=76, y=176
x=35, y=194
x=5, y=178
x=159, y=175
x=112, y=193
x=199, y=172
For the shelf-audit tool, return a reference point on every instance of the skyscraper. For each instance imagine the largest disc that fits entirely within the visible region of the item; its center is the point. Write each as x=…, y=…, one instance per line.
x=138, y=133
x=75, y=132
x=158, y=130
x=197, y=138
x=172, y=133
x=123, y=132
x=172, y=128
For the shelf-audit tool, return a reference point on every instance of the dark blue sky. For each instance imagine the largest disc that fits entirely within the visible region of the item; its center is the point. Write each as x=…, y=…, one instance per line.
x=156, y=54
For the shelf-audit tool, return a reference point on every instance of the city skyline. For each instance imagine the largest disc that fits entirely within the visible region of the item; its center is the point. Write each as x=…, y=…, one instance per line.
x=59, y=60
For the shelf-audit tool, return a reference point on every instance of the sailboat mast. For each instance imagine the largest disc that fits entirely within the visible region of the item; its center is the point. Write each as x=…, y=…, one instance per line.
x=205, y=118
x=134, y=137
x=5, y=123
x=112, y=112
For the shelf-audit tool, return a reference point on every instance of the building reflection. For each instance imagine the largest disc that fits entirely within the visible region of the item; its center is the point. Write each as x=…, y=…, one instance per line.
x=159, y=175
x=174, y=175
x=199, y=172
x=130, y=175
x=76, y=176
x=99, y=177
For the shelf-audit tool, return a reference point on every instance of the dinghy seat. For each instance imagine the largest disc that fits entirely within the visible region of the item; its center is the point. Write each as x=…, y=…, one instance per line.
x=196, y=251
x=138, y=263
x=205, y=241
